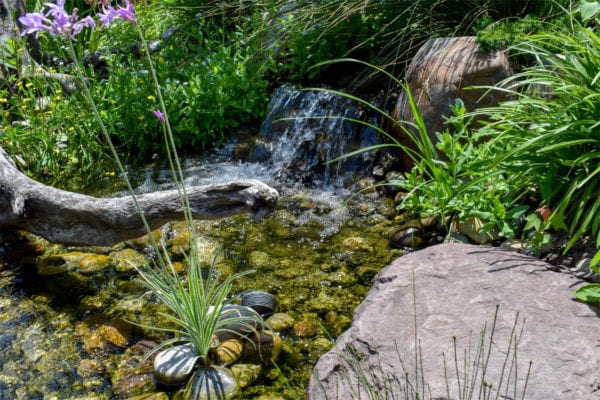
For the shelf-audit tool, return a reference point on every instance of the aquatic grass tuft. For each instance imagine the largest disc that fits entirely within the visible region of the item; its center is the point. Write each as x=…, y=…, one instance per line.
x=467, y=380
x=198, y=304
x=198, y=301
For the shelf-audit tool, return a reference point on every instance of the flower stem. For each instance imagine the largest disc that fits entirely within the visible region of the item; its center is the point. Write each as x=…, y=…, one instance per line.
x=121, y=168
x=169, y=141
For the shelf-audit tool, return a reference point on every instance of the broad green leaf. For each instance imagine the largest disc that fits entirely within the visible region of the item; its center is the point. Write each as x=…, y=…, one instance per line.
x=589, y=9
x=589, y=293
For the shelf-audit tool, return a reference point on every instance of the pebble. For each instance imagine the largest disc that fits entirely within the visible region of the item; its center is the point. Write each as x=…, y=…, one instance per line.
x=513, y=245
x=151, y=396
x=306, y=329
x=127, y=260
x=280, y=322
x=408, y=234
x=94, y=263
x=175, y=364
x=472, y=228
x=246, y=374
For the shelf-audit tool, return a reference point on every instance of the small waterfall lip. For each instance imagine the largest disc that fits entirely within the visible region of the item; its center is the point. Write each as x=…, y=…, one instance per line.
x=303, y=131
x=306, y=129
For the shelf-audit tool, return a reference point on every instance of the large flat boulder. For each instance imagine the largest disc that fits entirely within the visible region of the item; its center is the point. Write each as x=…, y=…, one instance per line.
x=457, y=288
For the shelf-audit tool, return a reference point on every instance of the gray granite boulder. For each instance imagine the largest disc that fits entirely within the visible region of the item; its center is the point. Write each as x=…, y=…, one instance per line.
x=458, y=288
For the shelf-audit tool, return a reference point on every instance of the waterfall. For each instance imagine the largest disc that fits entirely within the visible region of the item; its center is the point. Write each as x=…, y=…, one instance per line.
x=303, y=131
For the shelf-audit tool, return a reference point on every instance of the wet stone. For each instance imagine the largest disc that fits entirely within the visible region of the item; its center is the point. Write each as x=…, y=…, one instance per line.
x=386, y=207
x=126, y=260
x=472, y=227
x=259, y=260
x=513, y=245
x=280, y=321
x=455, y=237
x=60, y=263
x=131, y=385
x=211, y=383
x=356, y=243
x=263, y=347
x=144, y=242
x=180, y=243
x=409, y=234
x=342, y=278
x=175, y=364
x=89, y=367
x=246, y=374
x=306, y=328
x=116, y=333
x=94, y=263
x=151, y=396
x=229, y=351
x=321, y=345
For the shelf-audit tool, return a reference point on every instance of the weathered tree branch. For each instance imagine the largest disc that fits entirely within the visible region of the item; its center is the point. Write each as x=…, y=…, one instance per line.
x=71, y=218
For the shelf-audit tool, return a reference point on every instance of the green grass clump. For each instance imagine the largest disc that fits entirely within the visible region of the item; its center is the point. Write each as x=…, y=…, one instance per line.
x=549, y=134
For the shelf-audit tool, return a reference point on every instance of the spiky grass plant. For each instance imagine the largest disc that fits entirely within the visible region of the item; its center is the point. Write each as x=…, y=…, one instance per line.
x=198, y=301
x=466, y=378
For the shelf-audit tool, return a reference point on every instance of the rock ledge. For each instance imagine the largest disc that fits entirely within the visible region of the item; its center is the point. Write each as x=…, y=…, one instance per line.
x=458, y=288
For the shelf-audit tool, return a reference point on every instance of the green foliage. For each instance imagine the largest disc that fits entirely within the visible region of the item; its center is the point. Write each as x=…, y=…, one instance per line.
x=210, y=87
x=589, y=10
x=40, y=126
x=549, y=133
x=198, y=302
x=589, y=293
x=505, y=33
x=448, y=181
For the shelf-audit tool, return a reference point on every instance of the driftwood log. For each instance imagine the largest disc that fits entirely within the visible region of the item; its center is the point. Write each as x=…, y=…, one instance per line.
x=76, y=219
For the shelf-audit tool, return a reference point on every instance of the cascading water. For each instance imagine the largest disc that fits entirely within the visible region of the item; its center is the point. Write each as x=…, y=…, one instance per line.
x=68, y=314
x=304, y=130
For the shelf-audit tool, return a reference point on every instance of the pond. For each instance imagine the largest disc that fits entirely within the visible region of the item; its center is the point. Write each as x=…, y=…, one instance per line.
x=74, y=319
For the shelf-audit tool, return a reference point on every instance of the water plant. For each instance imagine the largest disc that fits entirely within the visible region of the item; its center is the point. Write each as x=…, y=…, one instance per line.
x=200, y=302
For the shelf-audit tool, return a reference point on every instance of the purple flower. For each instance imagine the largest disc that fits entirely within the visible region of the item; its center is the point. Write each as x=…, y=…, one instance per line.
x=109, y=13
x=159, y=115
x=34, y=22
x=56, y=21
x=127, y=13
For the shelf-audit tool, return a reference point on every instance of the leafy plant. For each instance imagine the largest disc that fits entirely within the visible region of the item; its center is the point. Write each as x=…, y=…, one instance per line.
x=41, y=127
x=198, y=301
x=548, y=135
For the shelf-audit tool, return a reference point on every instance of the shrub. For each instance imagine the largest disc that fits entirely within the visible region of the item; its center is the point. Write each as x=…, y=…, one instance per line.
x=549, y=134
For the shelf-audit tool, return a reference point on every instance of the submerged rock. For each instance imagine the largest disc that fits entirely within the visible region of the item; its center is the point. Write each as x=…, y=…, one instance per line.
x=280, y=322
x=175, y=364
x=246, y=374
x=210, y=383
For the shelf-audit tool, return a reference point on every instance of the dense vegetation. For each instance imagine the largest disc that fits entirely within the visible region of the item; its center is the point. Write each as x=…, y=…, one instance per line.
x=217, y=61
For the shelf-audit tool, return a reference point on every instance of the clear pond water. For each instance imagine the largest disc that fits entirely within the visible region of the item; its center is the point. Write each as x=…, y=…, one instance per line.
x=72, y=317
